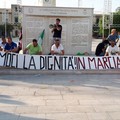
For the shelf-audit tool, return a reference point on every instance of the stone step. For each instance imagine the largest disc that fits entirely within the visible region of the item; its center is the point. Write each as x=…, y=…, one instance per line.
x=13, y=71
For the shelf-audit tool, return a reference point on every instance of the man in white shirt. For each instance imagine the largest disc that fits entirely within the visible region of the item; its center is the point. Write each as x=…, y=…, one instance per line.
x=112, y=49
x=57, y=48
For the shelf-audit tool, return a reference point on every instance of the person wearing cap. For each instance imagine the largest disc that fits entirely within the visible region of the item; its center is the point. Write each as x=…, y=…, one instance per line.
x=57, y=48
x=10, y=45
x=112, y=49
x=33, y=48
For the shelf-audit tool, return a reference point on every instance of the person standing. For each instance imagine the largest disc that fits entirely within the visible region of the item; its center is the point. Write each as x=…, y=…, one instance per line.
x=113, y=36
x=57, y=30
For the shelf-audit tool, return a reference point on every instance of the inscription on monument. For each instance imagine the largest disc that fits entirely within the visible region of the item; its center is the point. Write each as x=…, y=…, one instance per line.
x=80, y=31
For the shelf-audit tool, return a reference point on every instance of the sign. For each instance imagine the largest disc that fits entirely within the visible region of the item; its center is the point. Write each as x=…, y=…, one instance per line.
x=48, y=62
x=58, y=11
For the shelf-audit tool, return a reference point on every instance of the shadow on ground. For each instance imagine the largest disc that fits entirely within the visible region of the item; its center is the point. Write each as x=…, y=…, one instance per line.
x=12, y=116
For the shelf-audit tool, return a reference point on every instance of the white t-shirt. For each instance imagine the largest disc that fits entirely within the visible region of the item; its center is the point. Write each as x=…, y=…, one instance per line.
x=2, y=45
x=112, y=50
x=55, y=49
x=118, y=43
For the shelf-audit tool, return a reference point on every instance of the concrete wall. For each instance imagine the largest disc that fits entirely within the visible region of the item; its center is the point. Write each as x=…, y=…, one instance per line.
x=76, y=22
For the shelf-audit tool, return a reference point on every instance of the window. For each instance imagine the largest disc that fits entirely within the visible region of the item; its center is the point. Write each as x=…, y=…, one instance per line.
x=16, y=9
x=16, y=19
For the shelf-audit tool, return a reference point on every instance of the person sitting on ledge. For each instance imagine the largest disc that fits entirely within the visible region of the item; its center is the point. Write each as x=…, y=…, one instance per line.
x=101, y=47
x=2, y=44
x=33, y=48
x=112, y=49
x=57, y=48
x=10, y=45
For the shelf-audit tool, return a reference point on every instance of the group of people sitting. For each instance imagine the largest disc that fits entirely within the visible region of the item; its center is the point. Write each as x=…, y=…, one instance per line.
x=110, y=45
x=33, y=48
x=7, y=45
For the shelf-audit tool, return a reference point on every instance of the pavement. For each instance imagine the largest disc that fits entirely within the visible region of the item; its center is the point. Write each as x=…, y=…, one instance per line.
x=60, y=97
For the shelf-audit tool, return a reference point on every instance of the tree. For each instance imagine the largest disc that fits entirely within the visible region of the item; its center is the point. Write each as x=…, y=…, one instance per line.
x=9, y=29
x=116, y=20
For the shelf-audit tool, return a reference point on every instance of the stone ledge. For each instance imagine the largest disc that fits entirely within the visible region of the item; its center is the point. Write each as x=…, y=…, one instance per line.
x=13, y=71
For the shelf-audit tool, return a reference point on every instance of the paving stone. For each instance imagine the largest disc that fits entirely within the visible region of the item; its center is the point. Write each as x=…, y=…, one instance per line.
x=9, y=109
x=26, y=109
x=54, y=97
x=98, y=116
x=51, y=109
x=62, y=102
x=8, y=116
x=67, y=116
x=47, y=92
x=79, y=109
x=76, y=96
x=32, y=117
x=115, y=115
x=107, y=108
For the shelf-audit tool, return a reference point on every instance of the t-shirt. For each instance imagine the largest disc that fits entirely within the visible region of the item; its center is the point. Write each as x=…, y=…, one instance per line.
x=112, y=37
x=57, y=33
x=99, y=49
x=10, y=46
x=34, y=50
x=112, y=50
x=2, y=45
x=55, y=49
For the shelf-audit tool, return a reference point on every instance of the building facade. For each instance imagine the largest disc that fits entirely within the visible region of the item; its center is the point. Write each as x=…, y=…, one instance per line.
x=5, y=17
x=96, y=20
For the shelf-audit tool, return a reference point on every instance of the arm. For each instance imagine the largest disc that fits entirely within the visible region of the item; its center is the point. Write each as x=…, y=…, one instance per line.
x=106, y=54
x=39, y=53
x=62, y=52
x=25, y=50
x=1, y=48
x=107, y=51
x=14, y=50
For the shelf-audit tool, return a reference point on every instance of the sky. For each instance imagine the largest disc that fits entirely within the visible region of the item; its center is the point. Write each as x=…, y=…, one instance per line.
x=98, y=5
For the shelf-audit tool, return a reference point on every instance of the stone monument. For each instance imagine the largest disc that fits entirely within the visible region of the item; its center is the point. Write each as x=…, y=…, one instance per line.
x=47, y=3
x=76, y=22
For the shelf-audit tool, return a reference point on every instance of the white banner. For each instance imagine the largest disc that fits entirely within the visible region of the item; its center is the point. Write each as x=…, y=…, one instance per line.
x=52, y=62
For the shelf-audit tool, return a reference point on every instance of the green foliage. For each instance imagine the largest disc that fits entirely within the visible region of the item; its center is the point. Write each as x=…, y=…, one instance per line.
x=9, y=28
x=116, y=20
